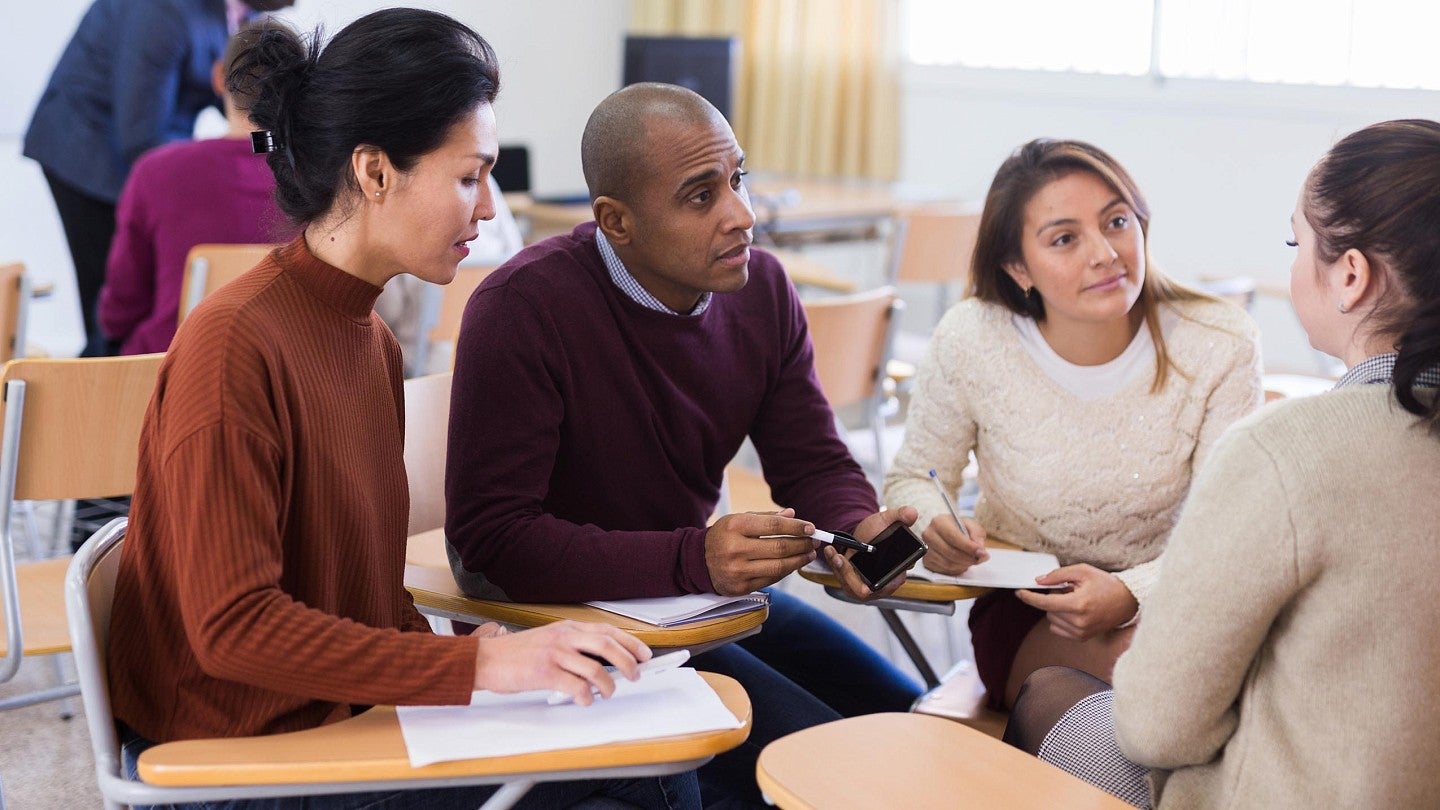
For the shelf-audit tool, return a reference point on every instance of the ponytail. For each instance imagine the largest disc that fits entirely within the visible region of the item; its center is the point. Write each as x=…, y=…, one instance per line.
x=1378, y=191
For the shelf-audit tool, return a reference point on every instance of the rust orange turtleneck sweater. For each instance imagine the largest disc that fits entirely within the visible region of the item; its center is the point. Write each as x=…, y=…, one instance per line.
x=260, y=586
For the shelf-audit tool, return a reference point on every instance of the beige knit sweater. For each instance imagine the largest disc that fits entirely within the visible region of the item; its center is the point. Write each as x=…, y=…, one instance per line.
x=1288, y=655
x=1097, y=482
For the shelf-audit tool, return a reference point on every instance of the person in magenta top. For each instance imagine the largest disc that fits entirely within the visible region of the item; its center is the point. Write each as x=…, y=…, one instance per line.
x=178, y=196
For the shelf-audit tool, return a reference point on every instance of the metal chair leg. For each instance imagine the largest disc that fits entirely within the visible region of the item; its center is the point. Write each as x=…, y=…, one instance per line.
x=67, y=705
x=902, y=634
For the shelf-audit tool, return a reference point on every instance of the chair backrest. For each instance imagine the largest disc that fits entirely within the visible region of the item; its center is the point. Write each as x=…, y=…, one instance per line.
x=210, y=267
x=453, y=298
x=852, y=335
x=934, y=245
x=14, y=310
x=76, y=430
x=71, y=430
x=1239, y=290
x=89, y=594
x=427, y=417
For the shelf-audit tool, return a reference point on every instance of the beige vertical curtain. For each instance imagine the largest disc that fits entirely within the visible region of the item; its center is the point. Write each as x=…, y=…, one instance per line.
x=819, y=79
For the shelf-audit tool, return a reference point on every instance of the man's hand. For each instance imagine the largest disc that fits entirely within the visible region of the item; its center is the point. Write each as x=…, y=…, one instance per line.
x=867, y=529
x=1096, y=603
x=740, y=561
x=558, y=656
x=951, y=552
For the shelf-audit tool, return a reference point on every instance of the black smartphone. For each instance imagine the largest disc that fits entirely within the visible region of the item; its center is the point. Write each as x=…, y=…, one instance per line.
x=897, y=549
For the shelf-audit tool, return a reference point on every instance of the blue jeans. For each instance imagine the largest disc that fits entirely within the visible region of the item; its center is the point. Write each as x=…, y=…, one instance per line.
x=801, y=670
x=653, y=793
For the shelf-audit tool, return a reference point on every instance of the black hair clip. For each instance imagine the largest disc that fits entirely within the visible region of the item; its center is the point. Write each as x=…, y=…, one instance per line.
x=263, y=140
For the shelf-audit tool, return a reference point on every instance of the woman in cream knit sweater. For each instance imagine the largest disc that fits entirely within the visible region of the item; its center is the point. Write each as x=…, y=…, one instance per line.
x=1283, y=660
x=1089, y=387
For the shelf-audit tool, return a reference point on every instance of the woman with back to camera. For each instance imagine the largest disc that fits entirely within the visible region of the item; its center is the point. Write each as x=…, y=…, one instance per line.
x=1090, y=388
x=260, y=585
x=1285, y=658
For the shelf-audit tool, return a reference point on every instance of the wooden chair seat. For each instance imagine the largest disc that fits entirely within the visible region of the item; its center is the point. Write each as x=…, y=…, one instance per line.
x=42, y=607
x=916, y=762
x=370, y=748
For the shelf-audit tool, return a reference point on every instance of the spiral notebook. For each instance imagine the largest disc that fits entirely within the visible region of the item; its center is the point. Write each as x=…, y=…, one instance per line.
x=669, y=611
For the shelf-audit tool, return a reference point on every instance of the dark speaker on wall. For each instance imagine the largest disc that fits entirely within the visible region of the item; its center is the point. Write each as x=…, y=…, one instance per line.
x=706, y=65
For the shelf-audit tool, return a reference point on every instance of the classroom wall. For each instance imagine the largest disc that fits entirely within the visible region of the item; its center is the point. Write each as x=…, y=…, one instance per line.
x=1221, y=162
x=558, y=59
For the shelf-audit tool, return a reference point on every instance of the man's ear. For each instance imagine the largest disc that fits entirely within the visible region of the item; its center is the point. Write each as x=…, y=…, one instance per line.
x=374, y=173
x=1018, y=272
x=217, y=79
x=1354, y=279
x=615, y=220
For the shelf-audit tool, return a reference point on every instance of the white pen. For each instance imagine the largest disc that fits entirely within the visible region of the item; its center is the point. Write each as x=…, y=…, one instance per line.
x=659, y=663
x=935, y=479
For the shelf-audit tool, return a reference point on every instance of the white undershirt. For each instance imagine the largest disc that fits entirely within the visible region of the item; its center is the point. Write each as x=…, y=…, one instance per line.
x=1093, y=382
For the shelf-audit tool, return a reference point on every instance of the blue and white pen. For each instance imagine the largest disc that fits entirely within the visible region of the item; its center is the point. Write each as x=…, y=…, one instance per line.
x=935, y=479
x=842, y=540
x=837, y=539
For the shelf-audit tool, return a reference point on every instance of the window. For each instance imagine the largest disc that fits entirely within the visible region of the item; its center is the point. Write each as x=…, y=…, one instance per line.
x=1367, y=43
x=1032, y=34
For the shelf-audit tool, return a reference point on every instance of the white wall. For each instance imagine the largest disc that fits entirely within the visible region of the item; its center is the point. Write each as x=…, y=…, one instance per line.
x=1220, y=162
x=558, y=59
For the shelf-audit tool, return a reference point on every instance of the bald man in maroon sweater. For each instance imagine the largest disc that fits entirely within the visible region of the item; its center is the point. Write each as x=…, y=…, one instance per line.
x=603, y=380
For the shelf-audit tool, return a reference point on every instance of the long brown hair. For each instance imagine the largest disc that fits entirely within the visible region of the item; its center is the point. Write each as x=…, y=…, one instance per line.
x=1022, y=175
x=1378, y=191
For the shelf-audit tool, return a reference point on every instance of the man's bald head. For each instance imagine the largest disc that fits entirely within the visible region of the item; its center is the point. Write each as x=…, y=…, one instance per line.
x=615, y=146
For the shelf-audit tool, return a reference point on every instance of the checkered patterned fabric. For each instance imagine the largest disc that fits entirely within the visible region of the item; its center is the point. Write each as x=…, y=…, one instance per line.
x=1083, y=744
x=632, y=288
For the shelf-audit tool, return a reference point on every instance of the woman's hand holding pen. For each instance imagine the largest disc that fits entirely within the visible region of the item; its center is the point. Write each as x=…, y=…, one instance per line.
x=1096, y=603
x=564, y=656
x=953, y=551
x=741, y=558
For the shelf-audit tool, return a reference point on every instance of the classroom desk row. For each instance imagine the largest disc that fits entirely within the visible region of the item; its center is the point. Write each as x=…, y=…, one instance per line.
x=942, y=763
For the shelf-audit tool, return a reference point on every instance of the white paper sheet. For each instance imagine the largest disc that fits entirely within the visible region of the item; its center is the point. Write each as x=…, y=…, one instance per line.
x=1004, y=569
x=659, y=705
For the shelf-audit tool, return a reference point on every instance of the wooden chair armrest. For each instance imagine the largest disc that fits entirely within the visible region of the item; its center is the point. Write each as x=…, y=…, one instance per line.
x=369, y=748
x=431, y=584
x=913, y=760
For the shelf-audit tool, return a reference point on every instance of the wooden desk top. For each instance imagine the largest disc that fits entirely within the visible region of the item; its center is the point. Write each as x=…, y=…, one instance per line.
x=779, y=202
x=428, y=578
x=370, y=748
x=917, y=762
x=919, y=589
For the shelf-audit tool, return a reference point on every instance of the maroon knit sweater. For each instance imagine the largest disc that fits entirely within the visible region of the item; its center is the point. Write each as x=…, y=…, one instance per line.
x=589, y=435
x=260, y=586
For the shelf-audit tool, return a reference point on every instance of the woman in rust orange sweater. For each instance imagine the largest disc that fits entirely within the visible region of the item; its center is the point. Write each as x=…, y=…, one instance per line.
x=260, y=588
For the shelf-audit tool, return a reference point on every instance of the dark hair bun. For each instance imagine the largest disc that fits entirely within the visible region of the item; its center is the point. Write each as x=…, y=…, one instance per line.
x=396, y=79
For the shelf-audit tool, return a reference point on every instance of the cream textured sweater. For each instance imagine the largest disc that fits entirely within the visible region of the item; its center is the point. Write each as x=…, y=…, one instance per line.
x=1098, y=482
x=1288, y=655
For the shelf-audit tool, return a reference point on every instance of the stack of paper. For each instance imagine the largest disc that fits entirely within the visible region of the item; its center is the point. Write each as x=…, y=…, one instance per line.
x=668, y=611
x=662, y=704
